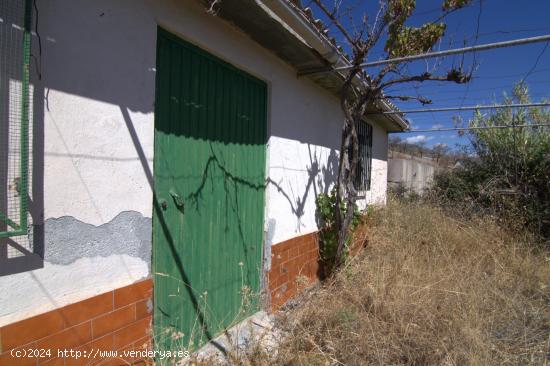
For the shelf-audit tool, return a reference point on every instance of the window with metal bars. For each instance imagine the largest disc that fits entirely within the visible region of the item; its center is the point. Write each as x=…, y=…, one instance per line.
x=364, y=163
x=15, y=36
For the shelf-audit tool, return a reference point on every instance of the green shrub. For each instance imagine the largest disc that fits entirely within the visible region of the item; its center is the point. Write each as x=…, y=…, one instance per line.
x=328, y=238
x=508, y=173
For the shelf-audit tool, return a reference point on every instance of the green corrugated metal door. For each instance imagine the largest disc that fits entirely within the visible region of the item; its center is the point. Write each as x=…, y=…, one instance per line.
x=210, y=142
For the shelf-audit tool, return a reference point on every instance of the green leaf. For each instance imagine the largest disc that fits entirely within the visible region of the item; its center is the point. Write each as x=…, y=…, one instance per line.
x=411, y=41
x=455, y=4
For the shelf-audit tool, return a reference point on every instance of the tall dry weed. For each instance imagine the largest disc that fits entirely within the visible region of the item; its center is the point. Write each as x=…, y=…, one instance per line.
x=427, y=290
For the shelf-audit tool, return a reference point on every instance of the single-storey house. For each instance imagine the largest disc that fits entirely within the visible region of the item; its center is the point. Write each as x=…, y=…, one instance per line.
x=159, y=163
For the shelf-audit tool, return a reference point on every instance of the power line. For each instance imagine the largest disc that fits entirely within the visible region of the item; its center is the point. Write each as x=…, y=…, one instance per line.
x=514, y=31
x=482, y=99
x=535, y=64
x=474, y=128
x=468, y=108
x=473, y=98
x=495, y=88
x=509, y=75
x=475, y=43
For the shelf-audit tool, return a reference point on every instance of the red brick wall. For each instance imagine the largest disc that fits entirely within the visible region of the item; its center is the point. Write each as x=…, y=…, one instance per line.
x=294, y=266
x=121, y=319
x=116, y=320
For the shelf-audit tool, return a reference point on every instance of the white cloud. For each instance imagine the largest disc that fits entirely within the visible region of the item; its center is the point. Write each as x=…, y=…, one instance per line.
x=437, y=126
x=418, y=138
x=440, y=144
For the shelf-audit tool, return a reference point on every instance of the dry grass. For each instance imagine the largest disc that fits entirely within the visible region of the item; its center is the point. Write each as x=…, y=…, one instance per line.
x=427, y=290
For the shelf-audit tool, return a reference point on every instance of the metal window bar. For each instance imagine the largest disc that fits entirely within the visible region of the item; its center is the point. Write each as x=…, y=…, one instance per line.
x=368, y=169
x=14, y=110
x=364, y=165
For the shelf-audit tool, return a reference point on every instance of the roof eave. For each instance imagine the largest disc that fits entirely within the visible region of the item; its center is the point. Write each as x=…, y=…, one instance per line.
x=284, y=28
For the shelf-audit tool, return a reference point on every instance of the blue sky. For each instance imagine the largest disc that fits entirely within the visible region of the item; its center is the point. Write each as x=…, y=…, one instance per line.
x=497, y=71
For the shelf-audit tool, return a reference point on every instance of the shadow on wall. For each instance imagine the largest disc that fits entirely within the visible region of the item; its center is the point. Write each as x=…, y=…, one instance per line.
x=65, y=63
x=106, y=39
x=97, y=51
x=64, y=60
x=303, y=153
x=299, y=186
x=320, y=178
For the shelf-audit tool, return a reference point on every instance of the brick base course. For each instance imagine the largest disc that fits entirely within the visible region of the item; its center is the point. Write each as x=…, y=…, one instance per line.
x=116, y=320
x=294, y=267
x=121, y=319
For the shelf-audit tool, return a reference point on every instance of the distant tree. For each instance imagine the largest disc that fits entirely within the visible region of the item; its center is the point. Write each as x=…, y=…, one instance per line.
x=395, y=141
x=439, y=150
x=421, y=147
x=395, y=144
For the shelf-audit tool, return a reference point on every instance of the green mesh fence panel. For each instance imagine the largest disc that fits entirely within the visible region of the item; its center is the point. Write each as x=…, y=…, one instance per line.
x=15, y=23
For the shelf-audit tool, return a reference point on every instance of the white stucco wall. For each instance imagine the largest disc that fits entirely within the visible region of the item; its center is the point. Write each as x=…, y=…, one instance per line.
x=93, y=171
x=97, y=90
x=299, y=170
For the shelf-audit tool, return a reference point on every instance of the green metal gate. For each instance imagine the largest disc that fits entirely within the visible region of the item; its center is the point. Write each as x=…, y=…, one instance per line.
x=210, y=144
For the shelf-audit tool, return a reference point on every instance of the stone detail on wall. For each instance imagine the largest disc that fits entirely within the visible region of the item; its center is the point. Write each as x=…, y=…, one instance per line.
x=115, y=320
x=294, y=267
x=81, y=260
x=69, y=239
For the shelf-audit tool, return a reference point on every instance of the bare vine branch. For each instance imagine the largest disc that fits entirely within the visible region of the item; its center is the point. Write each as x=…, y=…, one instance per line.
x=406, y=98
x=453, y=75
x=361, y=90
x=333, y=16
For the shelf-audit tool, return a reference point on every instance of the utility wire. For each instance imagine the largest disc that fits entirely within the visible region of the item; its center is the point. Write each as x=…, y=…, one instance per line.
x=495, y=88
x=507, y=76
x=475, y=54
x=474, y=128
x=535, y=64
x=474, y=98
x=467, y=108
x=514, y=31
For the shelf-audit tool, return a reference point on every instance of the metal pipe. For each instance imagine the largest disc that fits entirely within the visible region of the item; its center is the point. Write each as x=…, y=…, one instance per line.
x=481, y=47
